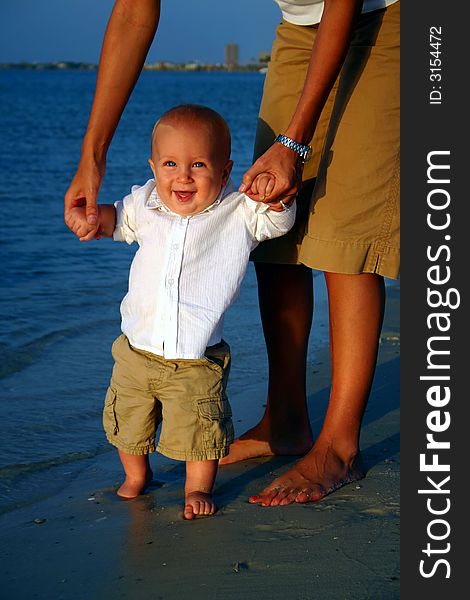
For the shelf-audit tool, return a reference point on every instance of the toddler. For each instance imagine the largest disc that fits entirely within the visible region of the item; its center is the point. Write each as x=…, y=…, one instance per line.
x=195, y=235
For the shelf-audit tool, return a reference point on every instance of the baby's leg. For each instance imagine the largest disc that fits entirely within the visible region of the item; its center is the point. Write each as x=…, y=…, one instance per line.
x=200, y=477
x=138, y=474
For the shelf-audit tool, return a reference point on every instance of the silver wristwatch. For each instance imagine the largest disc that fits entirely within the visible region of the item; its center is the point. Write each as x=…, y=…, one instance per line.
x=304, y=151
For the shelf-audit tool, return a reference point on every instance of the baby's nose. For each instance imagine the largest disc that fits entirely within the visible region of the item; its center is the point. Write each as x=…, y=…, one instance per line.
x=184, y=174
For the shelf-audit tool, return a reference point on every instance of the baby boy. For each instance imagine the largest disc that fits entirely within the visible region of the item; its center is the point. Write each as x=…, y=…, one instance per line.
x=195, y=235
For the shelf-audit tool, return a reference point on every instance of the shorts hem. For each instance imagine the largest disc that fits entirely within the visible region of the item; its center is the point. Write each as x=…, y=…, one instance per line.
x=350, y=258
x=211, y=454
x=134, y=450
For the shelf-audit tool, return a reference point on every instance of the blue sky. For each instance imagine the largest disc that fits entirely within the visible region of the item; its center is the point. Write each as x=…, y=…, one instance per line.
x=54, y=30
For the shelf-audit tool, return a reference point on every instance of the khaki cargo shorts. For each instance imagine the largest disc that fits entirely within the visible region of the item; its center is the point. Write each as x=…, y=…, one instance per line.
x=187, y=396
x=348, y=212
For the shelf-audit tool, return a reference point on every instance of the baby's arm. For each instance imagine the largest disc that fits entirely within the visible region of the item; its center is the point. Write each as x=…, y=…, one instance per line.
x=105, y=226
x=265, y=220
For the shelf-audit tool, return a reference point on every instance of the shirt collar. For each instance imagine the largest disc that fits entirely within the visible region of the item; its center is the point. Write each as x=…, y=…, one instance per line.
x=155, y=202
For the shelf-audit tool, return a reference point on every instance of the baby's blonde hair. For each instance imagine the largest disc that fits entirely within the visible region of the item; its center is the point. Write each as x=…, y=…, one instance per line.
x=203, y=115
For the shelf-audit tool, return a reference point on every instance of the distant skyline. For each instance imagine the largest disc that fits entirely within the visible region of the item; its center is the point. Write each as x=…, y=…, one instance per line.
x=72, y=30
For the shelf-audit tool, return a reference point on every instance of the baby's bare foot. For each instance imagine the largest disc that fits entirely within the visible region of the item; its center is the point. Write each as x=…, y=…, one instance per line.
x=134, y=486
x=198, y=504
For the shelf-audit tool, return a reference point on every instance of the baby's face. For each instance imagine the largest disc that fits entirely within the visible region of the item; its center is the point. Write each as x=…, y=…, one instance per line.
x=188, y=169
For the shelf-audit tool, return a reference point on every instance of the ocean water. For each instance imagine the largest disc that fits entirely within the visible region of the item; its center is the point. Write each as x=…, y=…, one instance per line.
x=59, y=298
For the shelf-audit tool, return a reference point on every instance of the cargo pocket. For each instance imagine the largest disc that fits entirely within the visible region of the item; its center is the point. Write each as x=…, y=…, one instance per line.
x=215, y=416
x=109, y=413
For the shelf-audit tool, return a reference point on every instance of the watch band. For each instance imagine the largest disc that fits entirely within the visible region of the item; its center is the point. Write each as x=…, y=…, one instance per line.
x=303, y=150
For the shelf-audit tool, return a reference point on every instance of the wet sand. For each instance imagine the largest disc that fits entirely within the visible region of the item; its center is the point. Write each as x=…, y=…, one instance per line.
x=85, y=543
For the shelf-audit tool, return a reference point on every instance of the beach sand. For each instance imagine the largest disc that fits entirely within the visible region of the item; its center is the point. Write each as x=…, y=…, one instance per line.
x=85, y=543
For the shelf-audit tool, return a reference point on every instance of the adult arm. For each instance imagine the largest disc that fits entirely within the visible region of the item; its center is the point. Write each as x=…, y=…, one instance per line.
x=129, y=34
x=328, y=54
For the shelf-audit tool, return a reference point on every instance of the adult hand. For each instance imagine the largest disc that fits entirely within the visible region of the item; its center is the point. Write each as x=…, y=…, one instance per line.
x=284, y=167
x=83, y=191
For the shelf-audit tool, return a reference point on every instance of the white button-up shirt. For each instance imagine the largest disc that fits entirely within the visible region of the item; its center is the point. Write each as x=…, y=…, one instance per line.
x=188, y=270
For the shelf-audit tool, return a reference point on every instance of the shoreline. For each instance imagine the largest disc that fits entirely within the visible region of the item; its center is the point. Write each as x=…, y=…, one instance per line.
x=84, y=542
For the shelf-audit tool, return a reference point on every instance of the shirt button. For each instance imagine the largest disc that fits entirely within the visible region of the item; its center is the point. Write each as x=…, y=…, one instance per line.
x=171, y=281
x=176, y=246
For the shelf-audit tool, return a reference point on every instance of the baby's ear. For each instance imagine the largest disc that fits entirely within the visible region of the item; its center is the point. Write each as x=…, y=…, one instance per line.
x=226, y=172
x=152, y=166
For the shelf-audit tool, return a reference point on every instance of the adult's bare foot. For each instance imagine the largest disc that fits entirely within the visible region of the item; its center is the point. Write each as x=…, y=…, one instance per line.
x=198, y=504
x=134, y=486
x=319, y=473
x=258, y=441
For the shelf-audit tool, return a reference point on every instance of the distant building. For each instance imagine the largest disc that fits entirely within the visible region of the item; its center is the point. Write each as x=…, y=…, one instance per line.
x=264, y=58
x=231, y=55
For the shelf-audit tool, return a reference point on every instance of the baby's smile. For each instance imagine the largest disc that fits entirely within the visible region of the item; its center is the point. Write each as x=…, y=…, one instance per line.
x=184, y=195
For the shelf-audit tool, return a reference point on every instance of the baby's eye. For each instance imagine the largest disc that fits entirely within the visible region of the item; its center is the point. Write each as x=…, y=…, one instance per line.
x=199, y=164
x=169, y=163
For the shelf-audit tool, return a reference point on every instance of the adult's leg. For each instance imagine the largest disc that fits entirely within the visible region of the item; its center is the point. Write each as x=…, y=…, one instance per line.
x=356, y=305
x=286, y=305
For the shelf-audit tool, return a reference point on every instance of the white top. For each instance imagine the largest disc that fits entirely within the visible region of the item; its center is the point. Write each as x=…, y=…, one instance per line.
x=309, y=12
x=188, y=270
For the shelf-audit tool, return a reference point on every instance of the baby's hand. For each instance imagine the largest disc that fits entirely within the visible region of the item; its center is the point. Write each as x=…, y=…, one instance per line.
x=262, y=186
x=78, y=223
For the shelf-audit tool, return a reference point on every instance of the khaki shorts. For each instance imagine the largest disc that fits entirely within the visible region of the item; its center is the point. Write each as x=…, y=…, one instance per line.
x=186, y=396
x=348, y=211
